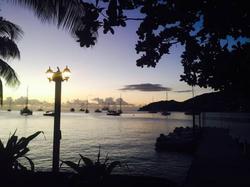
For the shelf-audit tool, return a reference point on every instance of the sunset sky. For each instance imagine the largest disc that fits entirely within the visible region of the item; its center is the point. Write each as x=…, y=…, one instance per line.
x=96, y=72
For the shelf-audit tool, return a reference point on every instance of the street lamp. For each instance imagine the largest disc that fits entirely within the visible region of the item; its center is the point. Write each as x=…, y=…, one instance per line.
x=57, y=77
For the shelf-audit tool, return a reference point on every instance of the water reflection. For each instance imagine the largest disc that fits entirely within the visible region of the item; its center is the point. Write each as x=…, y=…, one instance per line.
x=129, y=138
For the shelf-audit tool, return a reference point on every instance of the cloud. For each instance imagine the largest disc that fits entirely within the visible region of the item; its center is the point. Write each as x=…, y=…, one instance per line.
x=98, y=100
x=183, y=91
x=22, y=101
x=120, y=100
x=109, y=101
x=147, y=87
x=77, y=102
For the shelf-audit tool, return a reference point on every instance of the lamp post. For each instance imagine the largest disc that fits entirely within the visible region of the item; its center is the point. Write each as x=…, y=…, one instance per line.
x=57, y=77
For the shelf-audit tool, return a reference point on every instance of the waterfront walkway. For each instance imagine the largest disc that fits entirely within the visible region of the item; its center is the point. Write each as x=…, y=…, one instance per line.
x=218, y=162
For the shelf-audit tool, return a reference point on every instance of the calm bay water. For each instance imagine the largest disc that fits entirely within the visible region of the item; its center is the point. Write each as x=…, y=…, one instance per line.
x=129, y=138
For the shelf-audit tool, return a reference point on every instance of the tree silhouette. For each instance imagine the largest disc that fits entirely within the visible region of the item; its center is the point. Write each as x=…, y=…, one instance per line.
x=9, y=33
x=214, y=34
x=76, y=16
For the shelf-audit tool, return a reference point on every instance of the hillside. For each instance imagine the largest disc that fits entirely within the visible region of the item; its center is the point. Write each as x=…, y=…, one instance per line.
x=209, y=102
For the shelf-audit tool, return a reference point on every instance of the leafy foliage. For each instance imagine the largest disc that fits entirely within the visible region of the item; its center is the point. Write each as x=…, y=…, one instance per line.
x=9, y=29
x=212, y=33
x=9, y=34
x=93, y=171
x=14, y=150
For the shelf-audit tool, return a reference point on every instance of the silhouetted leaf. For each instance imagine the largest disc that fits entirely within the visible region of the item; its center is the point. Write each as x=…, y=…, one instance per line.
x=9, y=29
x=112, y=165
x=32, y=166
x=1, y=146
x=1, y=92
x=93, y=171
x=111, y=30
x=72, y=165
x=96, y=3
x=8, y=74
x=88, y=162
x=14, y=150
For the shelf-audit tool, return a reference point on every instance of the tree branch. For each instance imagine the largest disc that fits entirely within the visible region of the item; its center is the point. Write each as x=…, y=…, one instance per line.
x=134, y=19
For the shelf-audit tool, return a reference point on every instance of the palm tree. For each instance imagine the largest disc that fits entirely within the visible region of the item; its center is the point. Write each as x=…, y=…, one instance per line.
x=76, y=16
x=9, y=34
x=67, y=14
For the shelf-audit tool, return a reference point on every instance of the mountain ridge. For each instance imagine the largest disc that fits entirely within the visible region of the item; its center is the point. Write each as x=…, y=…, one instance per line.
x=208, y=102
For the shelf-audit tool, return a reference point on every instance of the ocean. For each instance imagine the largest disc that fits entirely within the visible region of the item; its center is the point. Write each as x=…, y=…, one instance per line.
x=129, y=138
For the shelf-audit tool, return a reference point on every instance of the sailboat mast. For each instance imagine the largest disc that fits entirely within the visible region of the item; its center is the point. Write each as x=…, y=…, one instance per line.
x=120, y=102
x=27, y=100
x=166, y=95
x=166, y=98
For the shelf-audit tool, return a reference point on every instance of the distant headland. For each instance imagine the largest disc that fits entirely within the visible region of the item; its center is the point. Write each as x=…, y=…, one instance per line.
x=208, y=102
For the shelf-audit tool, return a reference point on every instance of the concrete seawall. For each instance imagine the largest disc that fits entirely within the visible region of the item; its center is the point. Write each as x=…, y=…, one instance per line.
x=218, y=162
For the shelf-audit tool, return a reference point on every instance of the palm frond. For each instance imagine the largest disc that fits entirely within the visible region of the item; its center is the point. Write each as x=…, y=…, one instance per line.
x=65, y=13
x=8, y=74
x=8, y=48
x=9, y=29
x=1, y=93
x=78, y=17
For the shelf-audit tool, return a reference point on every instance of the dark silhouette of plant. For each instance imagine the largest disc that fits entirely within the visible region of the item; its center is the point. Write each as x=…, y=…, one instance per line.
x=9, y=34
x=215, y=35
x=76, y=16
x=93, y=171
x=14, y=150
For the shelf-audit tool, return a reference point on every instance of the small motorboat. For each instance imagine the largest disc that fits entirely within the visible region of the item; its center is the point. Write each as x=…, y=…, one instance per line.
x=105, y=108
x=166, y=113
x=113, y=113
x=49, y=113
x=98, y=111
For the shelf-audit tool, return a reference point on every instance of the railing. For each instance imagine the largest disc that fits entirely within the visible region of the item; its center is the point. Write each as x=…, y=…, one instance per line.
x=238, y=125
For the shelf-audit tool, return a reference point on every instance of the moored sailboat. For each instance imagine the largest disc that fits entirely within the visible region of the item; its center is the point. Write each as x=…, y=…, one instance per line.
x=116, y=112
x=166, y=113
x=82, y=108
x=9, y=109
x=87, y=110
x=26, y=111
